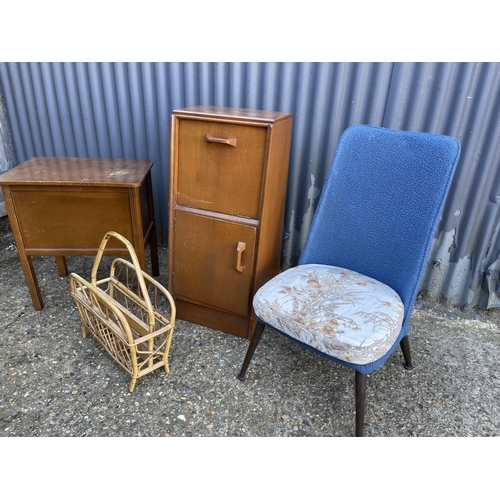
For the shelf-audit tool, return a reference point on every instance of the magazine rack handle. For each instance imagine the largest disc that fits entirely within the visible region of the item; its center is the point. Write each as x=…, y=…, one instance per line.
x=135, y=262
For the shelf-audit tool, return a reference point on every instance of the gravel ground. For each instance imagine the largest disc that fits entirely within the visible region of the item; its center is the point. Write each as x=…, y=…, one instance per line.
x=54, y=383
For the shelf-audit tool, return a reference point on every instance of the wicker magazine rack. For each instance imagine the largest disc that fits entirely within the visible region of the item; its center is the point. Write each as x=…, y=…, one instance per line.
x=122, y=313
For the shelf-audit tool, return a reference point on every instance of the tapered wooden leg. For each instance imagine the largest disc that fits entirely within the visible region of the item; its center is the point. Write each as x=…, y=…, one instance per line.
x=153, y=249
x=405, y=347
x=62, y=268
x=31, y=280
x=259, y=328
x=360, y=386
x=153, y=245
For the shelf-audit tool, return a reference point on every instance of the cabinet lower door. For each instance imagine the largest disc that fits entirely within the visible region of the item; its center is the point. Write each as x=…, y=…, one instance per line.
x=213, y=261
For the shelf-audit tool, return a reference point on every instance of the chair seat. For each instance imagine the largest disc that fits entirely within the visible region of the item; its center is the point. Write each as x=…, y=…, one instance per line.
x=338, y=312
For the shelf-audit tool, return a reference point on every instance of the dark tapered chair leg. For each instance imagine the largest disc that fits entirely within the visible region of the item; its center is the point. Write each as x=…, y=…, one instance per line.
x=259, y=328
x=360, y=402
x=405, y=347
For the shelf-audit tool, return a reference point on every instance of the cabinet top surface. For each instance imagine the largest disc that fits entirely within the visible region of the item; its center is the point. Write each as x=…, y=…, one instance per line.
x=78, y=171
x=232, y=113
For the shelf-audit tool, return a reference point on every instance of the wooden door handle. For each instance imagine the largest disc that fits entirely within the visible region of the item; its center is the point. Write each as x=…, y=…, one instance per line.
x=230, y=141
x=239, y=250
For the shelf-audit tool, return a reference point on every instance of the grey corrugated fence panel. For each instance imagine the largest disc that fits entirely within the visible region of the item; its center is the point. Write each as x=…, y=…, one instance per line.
x=123, y=110
x=462, y=100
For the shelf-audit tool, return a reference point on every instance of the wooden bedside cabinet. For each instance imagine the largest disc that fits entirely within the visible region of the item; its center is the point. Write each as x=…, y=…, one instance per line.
x=64, y=206
x=228, y=178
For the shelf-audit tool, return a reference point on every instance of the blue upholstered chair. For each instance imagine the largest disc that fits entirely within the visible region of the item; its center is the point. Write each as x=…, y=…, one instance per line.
x=352, y=293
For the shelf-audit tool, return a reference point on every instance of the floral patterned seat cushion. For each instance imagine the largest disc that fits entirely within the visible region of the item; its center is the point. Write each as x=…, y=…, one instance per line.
x=339, y=312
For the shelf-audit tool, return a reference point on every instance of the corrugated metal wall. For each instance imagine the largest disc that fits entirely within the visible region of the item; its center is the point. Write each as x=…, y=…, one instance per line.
x=123, y=110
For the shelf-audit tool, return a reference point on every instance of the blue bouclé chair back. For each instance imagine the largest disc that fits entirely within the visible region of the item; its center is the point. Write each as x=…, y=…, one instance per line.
x=381, y=204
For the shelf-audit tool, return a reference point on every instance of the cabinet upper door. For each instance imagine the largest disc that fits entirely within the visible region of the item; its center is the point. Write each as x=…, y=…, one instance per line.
x=214, y=261
x=221, y=166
